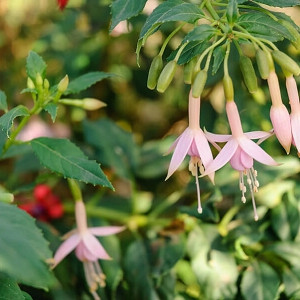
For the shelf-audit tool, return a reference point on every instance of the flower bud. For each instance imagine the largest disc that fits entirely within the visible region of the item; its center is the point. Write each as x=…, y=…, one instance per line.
x=86, y=103
x=199, y=83
x=39, y=79
x=154, y=71
x=166, y=76
x=6, y=197
x=30, y=83
x=293, y=31
x=188, y=72
x=286, y=62
x=248, y=73
x=46, y=84
x=262, y=63
x=228, y=88
x=63, y=84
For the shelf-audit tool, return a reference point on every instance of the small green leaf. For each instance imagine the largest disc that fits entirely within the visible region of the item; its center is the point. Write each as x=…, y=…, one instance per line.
x=85, y=81
x=232, y=11
x=200, y=33
x=219, y=55
x=125, y=9
x=3, y=102
x=9, y=289
x=260, y=282
x=6, y=121
x=63, y=157
x=35, y=65
x=279, y=3
x=23, y=250
x=51, y=108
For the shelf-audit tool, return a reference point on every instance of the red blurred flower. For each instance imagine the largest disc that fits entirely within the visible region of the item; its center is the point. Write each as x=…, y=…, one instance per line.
x=62, y=3
x=46, y=205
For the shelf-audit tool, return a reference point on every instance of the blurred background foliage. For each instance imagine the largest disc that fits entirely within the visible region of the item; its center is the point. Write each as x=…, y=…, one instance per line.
x=169, y=251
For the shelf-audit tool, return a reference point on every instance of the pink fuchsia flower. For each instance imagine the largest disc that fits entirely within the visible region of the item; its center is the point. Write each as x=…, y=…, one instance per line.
x=87, y=248
x=192, y=142
x=292, y=90
x=240, y=151
x=279, y=114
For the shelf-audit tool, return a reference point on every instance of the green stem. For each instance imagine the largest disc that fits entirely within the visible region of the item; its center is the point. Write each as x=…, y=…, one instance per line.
x=226, y=220
x=75, y=189
x=226, y=59
x=259, y=9
x=180, y=51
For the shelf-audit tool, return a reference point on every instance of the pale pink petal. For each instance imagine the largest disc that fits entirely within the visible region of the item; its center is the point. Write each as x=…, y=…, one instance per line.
x=106, y=230
x=256, y=152
x=253, y=135
x=172, y=147
x=235, y=160
x=219, y=138
x=181, y=151
x=223, y=157
x=94, y=246
x=83, y=254
x=65, y=248
x=295, y=122
x=246, y=160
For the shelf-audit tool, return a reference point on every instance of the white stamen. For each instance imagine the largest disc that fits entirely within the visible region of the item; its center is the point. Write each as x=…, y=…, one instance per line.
x=198, y=192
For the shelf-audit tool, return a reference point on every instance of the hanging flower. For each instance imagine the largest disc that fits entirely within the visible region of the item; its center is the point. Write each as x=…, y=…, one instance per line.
x=87, y=248
x=62, y=4
x=192, y=142
x=240, y=151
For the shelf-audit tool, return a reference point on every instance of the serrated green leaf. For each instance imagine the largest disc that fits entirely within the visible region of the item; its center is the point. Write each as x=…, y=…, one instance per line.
x=23, y=250
x=173, y=10
x=261, y=25
x=125, y=9
x=63, y=157
x=3, y=102
x=291, y=280
x=6, y=121
x=85, y=81
x=279, y=3
x=232, y=11
x=260, y=282
x=219, y=55
x=34, y=65
x=9, y=289
x=28, y=90
x=200, y=33
x=51, y=108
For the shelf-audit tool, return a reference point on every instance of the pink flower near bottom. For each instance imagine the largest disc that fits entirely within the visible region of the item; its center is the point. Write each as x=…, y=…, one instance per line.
x=240, y=151
x=87, y=248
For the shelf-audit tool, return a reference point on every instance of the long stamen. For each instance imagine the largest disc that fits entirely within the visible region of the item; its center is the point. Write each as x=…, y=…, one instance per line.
x=198, y=191
x=252, y=190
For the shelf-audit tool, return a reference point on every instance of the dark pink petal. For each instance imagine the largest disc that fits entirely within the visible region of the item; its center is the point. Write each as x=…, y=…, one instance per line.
x=94, y=246
x=246, y=160
x=181, y=151
x=106, y=230
x=235, y=160
x=65, y=248
x=256, y=152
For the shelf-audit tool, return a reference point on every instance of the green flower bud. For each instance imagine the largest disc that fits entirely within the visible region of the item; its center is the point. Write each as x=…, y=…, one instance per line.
x=154, y=71
x=286, y=62
x=86, y=103
x=262, y=63
x=228, y=88
x=248, y=73
x=188, y=72
x=199, y=83
x=30, y=83
x=166, y=76
x=293, y=31
x=63, y=84
x=39, y=79
x=46, y=84
x=6, y=197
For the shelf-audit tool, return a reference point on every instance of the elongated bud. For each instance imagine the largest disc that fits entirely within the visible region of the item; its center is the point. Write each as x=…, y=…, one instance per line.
x=39, y=79
x=154, y=71
x=228, y=88
x=86, y=103
x=248, y=73
x=199, y=83
x=293, y=31
x=46, y=84
x=286, y=62
x=188, y=72
x=166, y=76
x=262, y=63
x=63, y=84
x=6, y=197
x=30, y=83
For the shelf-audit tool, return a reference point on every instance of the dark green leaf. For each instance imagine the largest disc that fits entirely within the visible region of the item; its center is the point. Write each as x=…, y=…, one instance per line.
x=291, y=280
x=200, y=33
x=3, y=102
x=23, y=250
x=51, y=108
x=3, y=139
x=232, y=11
x=260, y=24
x=115, y=146
x=34, y=65
x=9, y=289
x=63, y=157
x=6, y=121
x=279, y=3
x=219, y=55
x=289, y=251
x=85, y=81
x=125, y=9
x=260, y=282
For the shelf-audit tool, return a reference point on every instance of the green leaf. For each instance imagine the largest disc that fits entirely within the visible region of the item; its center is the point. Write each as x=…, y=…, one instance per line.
x=6, y=121
x=279, y=3
x=287, y=250
x=125, y=9
x=200, y=33
x=260, y=282
x=173, y=10
x=85, y=81
x=219, y=55
x=115, y=146
x=34, y=65
x=232, y=11
x=261, y=25
x=51, y=108
x=28, y=90
x=23, y=250
x=63, y=157
x=3, y=102
x=9, y=289
x=291, y=280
